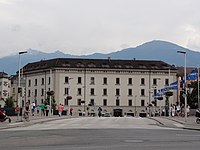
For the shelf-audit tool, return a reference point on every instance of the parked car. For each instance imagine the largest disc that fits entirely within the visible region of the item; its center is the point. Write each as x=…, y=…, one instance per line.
x=107, y=114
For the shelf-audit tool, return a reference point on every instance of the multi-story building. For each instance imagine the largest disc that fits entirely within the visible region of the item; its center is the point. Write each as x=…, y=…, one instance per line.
x=4, y=87
x=118, y=86
x=14, y=90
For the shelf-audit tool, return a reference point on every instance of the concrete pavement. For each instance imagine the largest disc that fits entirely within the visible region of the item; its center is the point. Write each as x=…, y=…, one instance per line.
x=32, y=120
x=178, y=122
x=174, y=122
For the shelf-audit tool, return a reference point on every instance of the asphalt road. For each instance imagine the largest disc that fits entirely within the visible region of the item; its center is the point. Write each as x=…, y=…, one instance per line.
x=99, y=134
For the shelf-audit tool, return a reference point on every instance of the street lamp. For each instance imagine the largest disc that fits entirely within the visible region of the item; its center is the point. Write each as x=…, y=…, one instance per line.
x=198, y=88
x=135, y=105
x=19, y=84
x=185, y=85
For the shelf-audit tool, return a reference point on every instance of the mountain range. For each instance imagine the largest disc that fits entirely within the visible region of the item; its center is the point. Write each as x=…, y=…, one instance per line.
x=153, y=50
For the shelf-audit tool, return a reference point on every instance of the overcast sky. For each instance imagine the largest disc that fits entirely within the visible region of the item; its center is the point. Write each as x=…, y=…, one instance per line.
x=89, y=26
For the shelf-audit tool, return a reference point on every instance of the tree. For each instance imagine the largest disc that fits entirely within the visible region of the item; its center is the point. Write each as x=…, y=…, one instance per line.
x=192, y=95
x=9, y=103
x=53, y=104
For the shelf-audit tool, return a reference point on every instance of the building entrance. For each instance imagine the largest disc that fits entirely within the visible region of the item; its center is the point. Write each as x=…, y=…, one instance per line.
x=117, y=112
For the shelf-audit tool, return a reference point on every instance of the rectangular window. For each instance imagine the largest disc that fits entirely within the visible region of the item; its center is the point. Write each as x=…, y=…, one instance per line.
x=49, y=80
x=42, y=92
x=66, y=79
x=92, y=81
x=92, y=91
x=79, y=102
x=154, y=91
x=104, y=102
x=35, y=92
x=142, y=102
x=79, y=91
x=117, y=92
x=166, y=81
x=117, y=102
x=66, y=91
x=35, y=82
x=142, y=92
x=105, y=81
x=66, y=102
x=29, y=83
x=105, y=92
x=130, y=102
x=130, y=81
x=79, y=80
x=130, y=92
x=13, y=90
x=42, y=81
x=117, y=80
x=29, y=93
x=142, y=81
x=92, y=102
x=154, y=81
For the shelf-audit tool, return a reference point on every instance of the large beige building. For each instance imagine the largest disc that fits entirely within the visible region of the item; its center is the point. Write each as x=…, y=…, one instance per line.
x=118, y=86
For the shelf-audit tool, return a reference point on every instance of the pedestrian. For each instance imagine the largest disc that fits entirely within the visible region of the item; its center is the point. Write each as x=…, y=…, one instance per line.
x=173, y=110
x=60, y=109
x=38, y=109
x=26, y=111
x=33, y=108
x=71, y=109
x=17, y=111
x=99, y=109
x=188, y=110
x=42, y=106
x=170, y=110
x=47, y=109
x=178, y=110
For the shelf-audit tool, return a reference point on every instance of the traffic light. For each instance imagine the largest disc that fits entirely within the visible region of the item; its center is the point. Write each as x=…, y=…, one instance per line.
x=19, y=90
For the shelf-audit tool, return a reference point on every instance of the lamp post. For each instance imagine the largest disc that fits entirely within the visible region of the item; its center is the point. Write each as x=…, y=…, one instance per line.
x=135, y=105
x=198, y=88
x=19, y=84
x=185, y=84
x=69, y=97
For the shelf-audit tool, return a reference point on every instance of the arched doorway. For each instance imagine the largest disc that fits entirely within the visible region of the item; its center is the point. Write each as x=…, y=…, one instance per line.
x=117, y=112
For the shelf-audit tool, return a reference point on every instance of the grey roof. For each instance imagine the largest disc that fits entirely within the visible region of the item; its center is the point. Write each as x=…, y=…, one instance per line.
x=3, y=75
x=98, y=63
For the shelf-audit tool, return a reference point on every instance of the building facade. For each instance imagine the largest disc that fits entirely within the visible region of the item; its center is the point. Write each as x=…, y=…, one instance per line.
x=118, y=86
x=4, y=87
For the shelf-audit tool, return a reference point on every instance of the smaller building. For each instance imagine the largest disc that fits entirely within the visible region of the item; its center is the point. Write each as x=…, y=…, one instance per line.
x=4, y=87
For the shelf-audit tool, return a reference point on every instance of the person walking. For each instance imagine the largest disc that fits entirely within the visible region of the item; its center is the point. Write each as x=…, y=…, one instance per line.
x=47, y=110
x=26, y=111
x=71, y=109
x=188, y=110
x=173, y=110
x=17, y=111
x=60, y=109
x=38, y=109
x=42, y=109
x=33, y=108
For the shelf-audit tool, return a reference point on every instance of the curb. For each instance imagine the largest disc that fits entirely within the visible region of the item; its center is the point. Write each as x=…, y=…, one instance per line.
x=25, y=124
x=192, y=127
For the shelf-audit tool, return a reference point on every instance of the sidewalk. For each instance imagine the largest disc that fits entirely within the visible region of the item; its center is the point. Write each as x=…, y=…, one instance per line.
x=33, y=120
x=178, y=122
